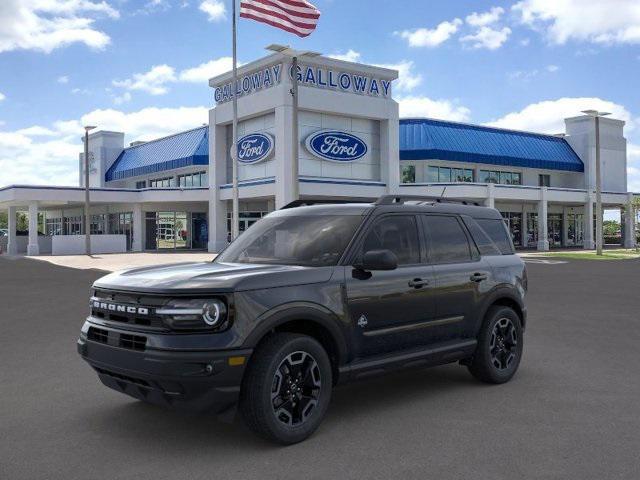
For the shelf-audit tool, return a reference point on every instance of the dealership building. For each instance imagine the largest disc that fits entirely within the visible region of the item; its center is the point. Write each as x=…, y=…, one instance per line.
x=175, y=193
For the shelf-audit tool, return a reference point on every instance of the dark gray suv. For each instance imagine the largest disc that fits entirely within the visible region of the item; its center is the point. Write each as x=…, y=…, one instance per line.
x=309, y=297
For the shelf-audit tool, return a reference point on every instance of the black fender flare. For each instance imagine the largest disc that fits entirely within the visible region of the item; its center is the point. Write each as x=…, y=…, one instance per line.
x=501, y=292
x=305, y=311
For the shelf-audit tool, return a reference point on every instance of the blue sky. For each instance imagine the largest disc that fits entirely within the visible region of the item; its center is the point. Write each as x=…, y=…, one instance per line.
x=142, y=66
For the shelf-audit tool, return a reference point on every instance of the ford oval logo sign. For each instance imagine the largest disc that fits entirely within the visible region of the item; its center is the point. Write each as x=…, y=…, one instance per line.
x=336, y=146
x=255, y=147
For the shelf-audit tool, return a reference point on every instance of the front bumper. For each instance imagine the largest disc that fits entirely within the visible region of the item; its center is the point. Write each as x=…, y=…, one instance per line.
x=202, y=380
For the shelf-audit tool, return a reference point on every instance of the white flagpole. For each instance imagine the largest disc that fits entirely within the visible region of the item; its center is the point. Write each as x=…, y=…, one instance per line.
x=235, y=220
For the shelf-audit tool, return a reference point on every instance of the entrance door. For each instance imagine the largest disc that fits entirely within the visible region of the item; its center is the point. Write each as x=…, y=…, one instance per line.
x=514, y=224
x=554, y=229
x=388, y=308
x=532, y=230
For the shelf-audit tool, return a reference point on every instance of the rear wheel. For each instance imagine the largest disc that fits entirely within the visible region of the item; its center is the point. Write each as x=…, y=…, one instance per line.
x=499, y=348
x=287, y=388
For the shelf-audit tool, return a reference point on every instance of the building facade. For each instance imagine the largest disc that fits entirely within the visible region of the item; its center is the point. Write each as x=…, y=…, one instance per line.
x=175, y=193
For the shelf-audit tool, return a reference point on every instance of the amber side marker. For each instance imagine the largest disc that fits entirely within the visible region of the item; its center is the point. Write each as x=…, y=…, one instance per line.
x=236, y=361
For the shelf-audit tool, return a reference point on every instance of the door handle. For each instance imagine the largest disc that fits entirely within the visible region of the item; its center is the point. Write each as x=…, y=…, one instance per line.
x=478, y=277
x=418, y=283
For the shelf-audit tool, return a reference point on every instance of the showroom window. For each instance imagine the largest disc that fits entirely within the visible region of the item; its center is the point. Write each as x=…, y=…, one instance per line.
x=190, y=180
x=162, y=182
x=503, y=178
x=408, y=174
x=448, y=174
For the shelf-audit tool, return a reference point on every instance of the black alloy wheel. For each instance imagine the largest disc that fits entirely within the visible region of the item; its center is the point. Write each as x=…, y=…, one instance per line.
x=504, y=343
x=296, y=388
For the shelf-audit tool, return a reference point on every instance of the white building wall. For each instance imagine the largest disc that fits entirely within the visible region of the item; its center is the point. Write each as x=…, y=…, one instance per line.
x=104, y=148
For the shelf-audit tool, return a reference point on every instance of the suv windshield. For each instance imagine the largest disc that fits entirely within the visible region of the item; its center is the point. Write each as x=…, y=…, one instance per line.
x=314, y=241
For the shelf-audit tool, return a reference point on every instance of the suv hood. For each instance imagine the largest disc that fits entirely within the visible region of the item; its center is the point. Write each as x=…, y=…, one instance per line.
x=208, y=276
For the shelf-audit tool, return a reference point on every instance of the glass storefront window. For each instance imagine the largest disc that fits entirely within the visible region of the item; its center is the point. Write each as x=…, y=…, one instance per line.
x=514, y=224
x=176, y=230
x=504, y=178
x=408, y=174
x=447, y=174
x=554, y=229
x=575, y=229
x=532, y=229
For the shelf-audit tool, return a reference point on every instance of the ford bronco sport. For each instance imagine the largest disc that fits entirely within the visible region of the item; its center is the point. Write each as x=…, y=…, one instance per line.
x=309, y=297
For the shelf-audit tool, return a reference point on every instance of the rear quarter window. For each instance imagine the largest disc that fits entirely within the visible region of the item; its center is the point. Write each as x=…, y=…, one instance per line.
x=496, y=230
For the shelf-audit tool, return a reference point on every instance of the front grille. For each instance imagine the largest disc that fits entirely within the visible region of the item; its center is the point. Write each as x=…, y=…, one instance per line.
x=125, y=309
x=122, y=340
x=98, y=335
x=133, y=342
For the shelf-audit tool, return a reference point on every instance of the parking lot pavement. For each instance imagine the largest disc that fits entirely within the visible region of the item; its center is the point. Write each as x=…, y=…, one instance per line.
x=572, y=411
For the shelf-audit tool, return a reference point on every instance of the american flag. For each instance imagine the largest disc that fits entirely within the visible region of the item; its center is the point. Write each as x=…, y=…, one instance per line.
x=294, y=16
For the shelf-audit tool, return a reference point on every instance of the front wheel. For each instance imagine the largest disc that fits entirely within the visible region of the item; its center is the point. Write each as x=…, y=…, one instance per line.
x=287, y=388
x=499, y=346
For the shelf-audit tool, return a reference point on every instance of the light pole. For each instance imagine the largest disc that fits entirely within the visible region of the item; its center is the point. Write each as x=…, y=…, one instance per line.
x=87, y=217
x=596, y=114
x=295, y=146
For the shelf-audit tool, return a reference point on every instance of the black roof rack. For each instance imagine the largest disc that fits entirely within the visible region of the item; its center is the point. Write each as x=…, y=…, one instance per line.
x=319, y=201
x=400, y=199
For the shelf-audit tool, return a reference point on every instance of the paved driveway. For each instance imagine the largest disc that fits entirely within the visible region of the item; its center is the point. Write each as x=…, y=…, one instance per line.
x=573, y=410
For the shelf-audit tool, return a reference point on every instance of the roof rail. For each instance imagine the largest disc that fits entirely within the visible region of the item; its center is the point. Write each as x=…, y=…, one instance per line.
x=318, y=201
x=400, y=199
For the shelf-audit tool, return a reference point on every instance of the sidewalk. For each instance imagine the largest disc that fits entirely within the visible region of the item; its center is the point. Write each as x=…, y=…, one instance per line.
x=121, y=261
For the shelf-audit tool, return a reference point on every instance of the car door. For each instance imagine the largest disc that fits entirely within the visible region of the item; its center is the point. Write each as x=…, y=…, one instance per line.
x=460, y=275
x=388, y=307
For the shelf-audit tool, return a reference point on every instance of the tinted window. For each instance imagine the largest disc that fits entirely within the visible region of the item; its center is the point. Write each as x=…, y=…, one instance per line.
x=398, y=234
x=447, y=240
x=497, y=232
x=482, y=240
x=316, y=240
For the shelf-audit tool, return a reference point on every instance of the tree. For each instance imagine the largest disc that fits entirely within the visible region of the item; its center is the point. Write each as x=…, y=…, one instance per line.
x=3, y=220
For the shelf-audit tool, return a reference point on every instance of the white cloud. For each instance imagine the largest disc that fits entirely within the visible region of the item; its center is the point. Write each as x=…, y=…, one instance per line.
x=525, y=42
x=487, y=37
x=45, y=25
x=420, y=106
x=48, y=155
x=407, y=78
x=2, y=96
x=548, y=116
x=527, y=75
x=154, y=81
x=486, y=18
x=120, y=99
x=595, y=21
x=203, y=72
x=63, y=79
x=424, y=37
x=552, y=68
x=349, y=56
x=214, y=9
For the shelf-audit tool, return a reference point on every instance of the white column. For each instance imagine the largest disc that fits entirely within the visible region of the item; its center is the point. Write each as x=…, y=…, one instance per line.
x=390, y=152
x=589, y=242
x=629, y=224
x=490, y=200
x=12, y=245
x=138, y=220
x=283, y=156
x=33, y=247
x=218, y=209
x=543, y=238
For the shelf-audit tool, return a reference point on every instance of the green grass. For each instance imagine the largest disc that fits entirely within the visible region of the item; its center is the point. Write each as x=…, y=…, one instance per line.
x=617, y=254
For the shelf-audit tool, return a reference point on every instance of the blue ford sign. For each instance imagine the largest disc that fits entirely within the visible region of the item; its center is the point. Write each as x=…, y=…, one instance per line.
x=255, y=147
x=336, y=146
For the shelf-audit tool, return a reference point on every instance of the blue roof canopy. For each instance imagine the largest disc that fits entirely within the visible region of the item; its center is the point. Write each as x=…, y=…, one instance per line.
x=427, y=139
x=183, y=149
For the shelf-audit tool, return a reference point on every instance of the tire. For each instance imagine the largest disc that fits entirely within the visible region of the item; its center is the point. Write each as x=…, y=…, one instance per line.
x=499, y=350
x=276, y=409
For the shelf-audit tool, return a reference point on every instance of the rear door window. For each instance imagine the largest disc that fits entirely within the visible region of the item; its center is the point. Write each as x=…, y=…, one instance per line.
x=447, y=240
x=497, y=232
x=481, y=238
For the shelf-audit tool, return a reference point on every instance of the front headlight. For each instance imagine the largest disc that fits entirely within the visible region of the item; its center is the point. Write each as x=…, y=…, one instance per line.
x=194, y=314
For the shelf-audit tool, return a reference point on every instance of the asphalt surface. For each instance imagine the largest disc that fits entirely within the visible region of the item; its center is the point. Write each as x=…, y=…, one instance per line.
x=572, y=411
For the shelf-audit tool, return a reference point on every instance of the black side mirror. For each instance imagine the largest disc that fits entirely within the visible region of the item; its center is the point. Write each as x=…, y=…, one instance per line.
x=378, y=260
